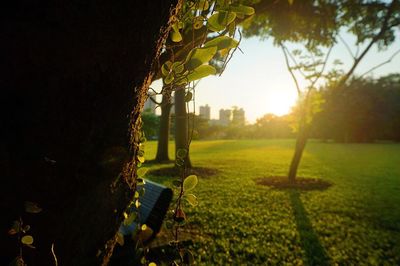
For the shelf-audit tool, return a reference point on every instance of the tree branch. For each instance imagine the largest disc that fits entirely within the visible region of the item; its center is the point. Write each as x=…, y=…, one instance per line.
x=372, y=42
x=381, y=64
x=285, y=53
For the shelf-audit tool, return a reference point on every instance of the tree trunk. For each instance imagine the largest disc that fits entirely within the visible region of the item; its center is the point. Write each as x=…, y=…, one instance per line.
x=181, y=124
x=72, y=72
x=163, y=135
x=301, y=142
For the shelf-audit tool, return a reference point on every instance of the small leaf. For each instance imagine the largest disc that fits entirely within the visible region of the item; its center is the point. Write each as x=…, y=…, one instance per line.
x=143, y=227
x=169, y=78
x=177, y=67
x=141, y=172
x=176, y=36
x=120, y=239
x=137, y=204
x=199, y=56
x=201, y=5
x=219, y=20
x=241, y=9
x=27, y=240
x=192, y=199
x=152, y=264
x=222, y=42
x=201, y=72
x=290, y=2
x=136, y=195
x=32, y=207
x=140, y=159
x=188, y=96
x=165, y=68
x=190, y=183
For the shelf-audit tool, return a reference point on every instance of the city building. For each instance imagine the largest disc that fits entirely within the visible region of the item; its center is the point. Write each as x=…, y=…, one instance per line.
x=238, y=117
x=225, y=117
x=205, y=112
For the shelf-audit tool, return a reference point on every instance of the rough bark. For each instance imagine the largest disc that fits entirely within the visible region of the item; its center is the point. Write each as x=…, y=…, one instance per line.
x=181, y=124
x=163, y=135
x=72, y=72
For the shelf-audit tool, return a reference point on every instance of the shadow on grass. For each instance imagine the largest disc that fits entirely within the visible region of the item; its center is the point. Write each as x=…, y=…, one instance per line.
x=315, y=253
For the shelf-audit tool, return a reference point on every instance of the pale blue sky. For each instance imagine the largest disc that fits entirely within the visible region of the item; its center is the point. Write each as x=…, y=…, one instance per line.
x=259, y=82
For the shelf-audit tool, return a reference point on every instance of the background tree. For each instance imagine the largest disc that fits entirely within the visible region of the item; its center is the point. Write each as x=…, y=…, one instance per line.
x=72, y=72
x=199, y=46
x=318, y=23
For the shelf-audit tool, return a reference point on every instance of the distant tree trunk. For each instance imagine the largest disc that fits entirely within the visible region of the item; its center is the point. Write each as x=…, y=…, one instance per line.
x=163, y=135
x=71, y=73
x=181, y=124
x=301, y=141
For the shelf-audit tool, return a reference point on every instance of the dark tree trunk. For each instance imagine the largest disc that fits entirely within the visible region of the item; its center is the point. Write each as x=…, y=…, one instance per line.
x=181, y=124
x=163, y=135
x=301, y=142
x=72, y=72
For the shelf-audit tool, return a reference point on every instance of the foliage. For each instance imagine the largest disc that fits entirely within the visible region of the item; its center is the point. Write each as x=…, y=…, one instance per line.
x=354, y=222
x=20, y=230
x=366, y=110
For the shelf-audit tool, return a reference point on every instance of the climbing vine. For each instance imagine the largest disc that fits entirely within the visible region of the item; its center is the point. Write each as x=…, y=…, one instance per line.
x=201, y=43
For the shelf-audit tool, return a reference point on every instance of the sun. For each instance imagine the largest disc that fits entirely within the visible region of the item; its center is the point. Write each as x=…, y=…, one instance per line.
x=280, y=103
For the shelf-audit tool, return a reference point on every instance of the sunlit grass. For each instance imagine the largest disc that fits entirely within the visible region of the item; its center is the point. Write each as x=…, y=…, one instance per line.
x=355, y=221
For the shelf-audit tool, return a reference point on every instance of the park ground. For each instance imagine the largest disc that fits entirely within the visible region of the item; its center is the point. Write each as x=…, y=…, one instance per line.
x=355, y=221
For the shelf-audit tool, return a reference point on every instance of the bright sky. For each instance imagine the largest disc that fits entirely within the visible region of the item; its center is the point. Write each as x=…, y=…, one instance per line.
x=259, y=82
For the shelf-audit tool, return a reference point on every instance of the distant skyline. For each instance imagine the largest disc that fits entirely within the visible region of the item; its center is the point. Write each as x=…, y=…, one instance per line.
x=258, y=81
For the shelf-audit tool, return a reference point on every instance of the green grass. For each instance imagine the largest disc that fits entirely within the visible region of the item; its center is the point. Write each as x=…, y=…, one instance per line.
x=354, y=222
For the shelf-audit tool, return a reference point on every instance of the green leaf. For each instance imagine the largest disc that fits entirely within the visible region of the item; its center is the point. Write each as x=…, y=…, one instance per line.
x=240, y=9
x=190, y=183
x=199, y=56
x=220, y=20
x=201, y=72
x=188, y=96
x=192, y=199
x=27, y=240
x=177, y=67
x=202, y=5
x=169, y=78
x=165, y=68
x=141, y=172
x=222, y=42
x=176, y=36
x=140, y=159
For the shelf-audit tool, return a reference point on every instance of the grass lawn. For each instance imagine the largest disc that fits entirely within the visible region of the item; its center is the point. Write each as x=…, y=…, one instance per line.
x=356, y=221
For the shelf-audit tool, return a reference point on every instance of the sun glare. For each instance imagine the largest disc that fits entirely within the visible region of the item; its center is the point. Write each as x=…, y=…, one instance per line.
x=280, y=103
